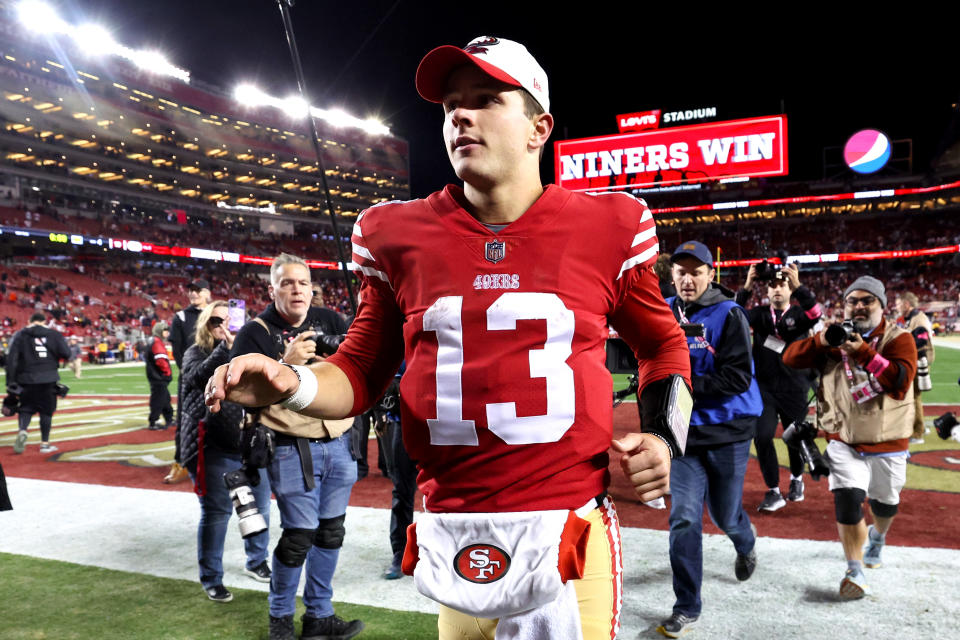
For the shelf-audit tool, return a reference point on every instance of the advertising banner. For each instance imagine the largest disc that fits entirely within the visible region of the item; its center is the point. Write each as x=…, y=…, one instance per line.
x=753, y=147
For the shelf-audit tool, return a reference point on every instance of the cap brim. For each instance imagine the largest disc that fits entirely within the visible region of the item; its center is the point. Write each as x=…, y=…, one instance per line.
x=436, y=66
x=687, y=254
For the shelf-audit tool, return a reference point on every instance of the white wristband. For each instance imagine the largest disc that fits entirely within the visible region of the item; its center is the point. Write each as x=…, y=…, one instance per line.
x=306, y=390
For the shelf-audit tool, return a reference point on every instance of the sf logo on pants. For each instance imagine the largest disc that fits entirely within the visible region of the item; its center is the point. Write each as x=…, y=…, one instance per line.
x=481, y=563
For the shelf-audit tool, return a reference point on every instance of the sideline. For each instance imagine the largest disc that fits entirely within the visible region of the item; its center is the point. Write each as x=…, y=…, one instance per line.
x=154, y=532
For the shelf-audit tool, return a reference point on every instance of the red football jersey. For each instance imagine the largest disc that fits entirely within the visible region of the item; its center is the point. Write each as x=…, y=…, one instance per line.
x=506, y=403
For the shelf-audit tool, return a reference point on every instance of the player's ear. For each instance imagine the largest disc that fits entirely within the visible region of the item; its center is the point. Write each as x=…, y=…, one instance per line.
x=540, y=133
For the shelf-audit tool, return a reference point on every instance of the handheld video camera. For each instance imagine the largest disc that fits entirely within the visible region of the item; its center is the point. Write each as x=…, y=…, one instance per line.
x=801, y=437
x=766, y=271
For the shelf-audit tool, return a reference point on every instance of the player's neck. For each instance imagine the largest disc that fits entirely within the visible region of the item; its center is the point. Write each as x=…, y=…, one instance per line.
x=502, y=203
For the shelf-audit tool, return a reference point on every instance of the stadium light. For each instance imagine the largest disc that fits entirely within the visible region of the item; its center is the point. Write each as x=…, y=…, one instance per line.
x=250, y=96
x=296, y=108
x=94, y=40
x=40, y=17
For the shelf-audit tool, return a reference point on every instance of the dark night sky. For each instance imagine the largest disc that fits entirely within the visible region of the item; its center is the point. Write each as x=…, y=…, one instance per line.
x=833, y=75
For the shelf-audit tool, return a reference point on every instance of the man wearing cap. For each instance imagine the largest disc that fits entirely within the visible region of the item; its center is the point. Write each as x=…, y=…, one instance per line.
x=865, y=405
x=499, y=302
x=182, y=336
x=784, y=390
x=726, y=404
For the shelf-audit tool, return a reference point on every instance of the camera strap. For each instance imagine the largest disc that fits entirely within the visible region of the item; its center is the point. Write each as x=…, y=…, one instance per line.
x=702, y=340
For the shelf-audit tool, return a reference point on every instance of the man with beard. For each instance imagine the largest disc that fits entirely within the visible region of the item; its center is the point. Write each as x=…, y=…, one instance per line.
x=865, y=405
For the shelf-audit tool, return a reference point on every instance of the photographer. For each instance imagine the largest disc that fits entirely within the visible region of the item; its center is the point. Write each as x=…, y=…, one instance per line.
x=32, y=376
x=726, y=403
x=313, y=469
x=865, y=405
x=918, y=324
x=209, y=448
x=783, y=389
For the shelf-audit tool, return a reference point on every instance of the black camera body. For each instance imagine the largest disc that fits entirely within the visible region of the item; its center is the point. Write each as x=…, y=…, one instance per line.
x=836, y=334
x=801, y=436
x=945, y=425
x=327, y=343
x=766, y=271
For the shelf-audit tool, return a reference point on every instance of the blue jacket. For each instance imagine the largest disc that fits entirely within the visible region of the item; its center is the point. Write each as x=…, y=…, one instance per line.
x=726, y=399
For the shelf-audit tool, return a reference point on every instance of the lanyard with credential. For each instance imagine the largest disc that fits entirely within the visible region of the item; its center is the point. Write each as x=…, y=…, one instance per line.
x=773, y=318
x=700, y=339
x=874, y=384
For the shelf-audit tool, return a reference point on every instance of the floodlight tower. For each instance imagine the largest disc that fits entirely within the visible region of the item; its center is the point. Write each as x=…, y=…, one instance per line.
x=294, y=106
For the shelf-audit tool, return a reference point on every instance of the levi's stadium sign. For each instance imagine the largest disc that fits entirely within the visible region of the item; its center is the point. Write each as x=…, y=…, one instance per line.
x=752, y=147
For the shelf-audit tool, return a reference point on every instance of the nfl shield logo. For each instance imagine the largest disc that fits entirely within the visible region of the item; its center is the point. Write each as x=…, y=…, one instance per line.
x=494, y=251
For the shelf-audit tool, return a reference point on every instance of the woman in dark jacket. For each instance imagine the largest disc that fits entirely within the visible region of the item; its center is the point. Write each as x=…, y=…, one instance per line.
x=209, y=447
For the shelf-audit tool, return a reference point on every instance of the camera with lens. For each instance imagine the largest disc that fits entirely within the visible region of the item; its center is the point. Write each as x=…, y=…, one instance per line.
x=11, y=403
x=767, y=271
x=239, y=483
x=946, y=426
x=61, y=390
x=327, y=343
x=836, y=334
x=801, y=436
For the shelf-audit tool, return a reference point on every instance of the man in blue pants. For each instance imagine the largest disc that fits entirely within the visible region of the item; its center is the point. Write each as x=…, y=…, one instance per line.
x=726, y=403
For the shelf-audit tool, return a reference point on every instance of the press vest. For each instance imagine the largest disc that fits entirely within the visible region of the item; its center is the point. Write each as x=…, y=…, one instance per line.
x=717, y=409
x=880, y=419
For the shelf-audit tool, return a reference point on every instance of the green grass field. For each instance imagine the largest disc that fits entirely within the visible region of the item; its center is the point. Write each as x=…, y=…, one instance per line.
x=49, y=599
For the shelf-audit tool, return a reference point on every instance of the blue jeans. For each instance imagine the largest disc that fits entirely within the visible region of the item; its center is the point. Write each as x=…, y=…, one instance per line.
x=215, y=511
x=334, y=472
x=714, y=474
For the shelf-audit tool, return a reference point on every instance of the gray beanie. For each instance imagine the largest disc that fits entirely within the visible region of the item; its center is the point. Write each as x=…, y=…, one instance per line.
x=870, y=285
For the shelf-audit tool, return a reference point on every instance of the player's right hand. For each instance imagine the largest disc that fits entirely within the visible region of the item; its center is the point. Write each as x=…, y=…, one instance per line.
x=251, y=380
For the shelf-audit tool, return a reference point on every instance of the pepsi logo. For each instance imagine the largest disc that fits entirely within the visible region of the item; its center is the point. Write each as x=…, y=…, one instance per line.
x=867, y=151
x=481, y=563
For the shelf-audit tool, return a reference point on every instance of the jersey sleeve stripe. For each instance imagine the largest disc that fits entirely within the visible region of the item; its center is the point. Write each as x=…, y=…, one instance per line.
x=363, y=252
x=644, y=235
x=370, y=271
x=647, y=255
x=356, y=230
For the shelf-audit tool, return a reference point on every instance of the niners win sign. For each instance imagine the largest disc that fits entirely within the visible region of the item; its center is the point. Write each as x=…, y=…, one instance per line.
x=752, y=147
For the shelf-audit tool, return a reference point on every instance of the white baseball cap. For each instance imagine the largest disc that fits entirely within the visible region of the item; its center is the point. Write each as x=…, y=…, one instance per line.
x=503, y=59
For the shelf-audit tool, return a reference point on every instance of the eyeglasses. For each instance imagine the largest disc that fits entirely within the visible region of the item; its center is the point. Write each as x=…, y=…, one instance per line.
x=215, y=321
x=865, y=301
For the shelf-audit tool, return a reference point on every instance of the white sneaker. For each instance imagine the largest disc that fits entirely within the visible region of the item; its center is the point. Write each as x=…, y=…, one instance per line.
x=46, y=447
x=21, y=442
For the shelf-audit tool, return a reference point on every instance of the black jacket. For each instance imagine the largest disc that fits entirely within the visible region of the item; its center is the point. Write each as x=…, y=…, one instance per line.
x=794, y=324
x=223, y=428
x=34, y=355
x=253, y=338
x=183, y=332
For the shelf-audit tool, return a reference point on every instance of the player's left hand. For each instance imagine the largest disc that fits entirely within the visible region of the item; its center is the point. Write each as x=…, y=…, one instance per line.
x=645, y=463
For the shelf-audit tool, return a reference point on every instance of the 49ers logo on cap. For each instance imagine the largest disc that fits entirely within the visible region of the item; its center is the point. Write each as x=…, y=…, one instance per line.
x=479, y=45
x=481, y=563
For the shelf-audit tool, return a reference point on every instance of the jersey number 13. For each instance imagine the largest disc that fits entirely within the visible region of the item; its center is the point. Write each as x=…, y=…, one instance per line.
x=449, y=427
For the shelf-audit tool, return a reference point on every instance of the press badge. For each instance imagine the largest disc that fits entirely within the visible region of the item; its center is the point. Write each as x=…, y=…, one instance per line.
x=775, y=344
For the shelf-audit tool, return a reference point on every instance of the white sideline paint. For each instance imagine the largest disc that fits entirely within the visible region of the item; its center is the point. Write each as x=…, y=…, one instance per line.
x=791, y=595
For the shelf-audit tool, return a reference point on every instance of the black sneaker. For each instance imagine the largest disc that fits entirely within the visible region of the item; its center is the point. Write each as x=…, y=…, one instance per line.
x=219, y=593
x=282, y=628
x=260, y=573
x=772, y=501
x=796, y=491
x=677, y=625
x=329, y=628
x=745, y=564
x=153, y=426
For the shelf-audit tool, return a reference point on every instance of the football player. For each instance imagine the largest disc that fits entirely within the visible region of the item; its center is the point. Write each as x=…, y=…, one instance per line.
x=499, y=294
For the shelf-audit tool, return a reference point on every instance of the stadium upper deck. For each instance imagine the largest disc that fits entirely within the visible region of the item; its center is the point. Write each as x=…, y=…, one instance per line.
x=101, y=128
